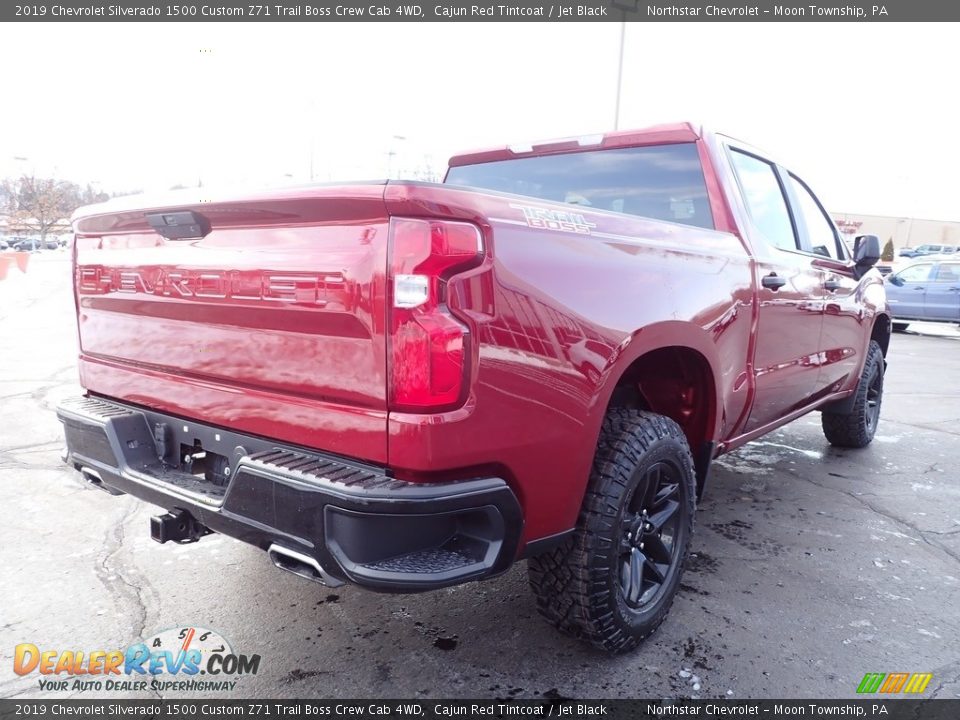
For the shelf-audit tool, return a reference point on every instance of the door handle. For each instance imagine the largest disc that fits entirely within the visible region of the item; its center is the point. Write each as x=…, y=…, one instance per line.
x=832, y=285
x=773, y=281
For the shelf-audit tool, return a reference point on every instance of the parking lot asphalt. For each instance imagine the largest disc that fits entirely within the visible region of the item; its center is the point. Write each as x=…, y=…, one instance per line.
x=811, y=565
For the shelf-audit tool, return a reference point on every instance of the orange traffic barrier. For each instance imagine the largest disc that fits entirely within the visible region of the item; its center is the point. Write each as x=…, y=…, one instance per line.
x=5, y=262
x=22, y=259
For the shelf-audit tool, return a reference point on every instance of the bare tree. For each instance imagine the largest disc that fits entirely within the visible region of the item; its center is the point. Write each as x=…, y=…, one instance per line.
x=42, y=205
x=425, y=171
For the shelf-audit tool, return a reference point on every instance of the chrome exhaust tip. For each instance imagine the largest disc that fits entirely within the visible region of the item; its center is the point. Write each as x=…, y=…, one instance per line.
x=90, y=475
x=301, y=565
x=94, y=479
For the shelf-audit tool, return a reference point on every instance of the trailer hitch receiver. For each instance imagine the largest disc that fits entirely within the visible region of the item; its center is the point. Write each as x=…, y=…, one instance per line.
x=177, y=525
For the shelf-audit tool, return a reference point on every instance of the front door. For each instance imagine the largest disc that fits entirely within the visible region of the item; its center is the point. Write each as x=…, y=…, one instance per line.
x=844, y=325
x=909, y=287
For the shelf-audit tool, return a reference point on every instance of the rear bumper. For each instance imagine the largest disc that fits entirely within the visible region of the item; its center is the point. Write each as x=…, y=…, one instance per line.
x=351, y=521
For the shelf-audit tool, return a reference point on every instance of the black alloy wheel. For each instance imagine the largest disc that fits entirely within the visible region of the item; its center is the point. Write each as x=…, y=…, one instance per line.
x=650, y=535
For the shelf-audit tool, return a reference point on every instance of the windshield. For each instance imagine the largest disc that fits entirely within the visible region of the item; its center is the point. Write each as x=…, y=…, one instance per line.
x=664, y=182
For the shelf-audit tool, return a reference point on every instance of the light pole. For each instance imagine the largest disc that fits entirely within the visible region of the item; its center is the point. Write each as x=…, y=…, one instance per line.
x=312, y=115
x=391, y=153
x=311, y=156
x=21, y=164
x=616, y=112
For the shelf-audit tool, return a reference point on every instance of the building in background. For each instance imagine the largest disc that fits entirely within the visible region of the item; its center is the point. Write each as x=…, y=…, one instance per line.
x=905, y=232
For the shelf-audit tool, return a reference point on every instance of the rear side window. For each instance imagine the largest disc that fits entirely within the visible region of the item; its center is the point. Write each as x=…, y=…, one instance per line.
x=948, y=272
x=764, y=198
x=663, y=182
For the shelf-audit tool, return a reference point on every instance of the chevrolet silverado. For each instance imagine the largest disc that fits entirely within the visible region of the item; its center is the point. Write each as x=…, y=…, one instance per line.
x=408, y=385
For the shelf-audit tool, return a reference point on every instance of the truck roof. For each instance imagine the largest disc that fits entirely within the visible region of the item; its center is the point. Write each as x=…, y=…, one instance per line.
x=653, y=135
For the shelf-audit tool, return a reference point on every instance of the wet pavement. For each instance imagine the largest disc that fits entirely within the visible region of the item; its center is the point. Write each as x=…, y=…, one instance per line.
x=812, y=565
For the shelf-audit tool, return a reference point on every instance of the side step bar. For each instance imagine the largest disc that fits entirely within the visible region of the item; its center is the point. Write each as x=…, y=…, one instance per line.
x=301, y=565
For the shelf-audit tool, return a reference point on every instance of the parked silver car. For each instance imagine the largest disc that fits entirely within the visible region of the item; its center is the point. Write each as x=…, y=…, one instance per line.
x=928, y=250
x=927, y=290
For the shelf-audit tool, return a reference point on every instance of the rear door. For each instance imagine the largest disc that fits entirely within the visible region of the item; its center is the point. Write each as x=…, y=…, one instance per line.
x=790, y=295
x=941, y=301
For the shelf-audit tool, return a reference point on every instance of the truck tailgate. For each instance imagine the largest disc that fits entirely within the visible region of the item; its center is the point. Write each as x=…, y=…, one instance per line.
x=271, y=323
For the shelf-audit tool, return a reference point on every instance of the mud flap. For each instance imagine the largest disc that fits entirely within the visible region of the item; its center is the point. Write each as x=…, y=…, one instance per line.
x=702, y=463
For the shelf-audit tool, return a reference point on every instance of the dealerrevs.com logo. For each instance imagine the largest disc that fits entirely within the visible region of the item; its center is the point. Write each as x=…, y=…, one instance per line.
x=176, y=659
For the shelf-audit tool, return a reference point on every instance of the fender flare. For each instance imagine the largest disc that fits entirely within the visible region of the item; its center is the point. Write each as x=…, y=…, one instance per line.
x=660, y=336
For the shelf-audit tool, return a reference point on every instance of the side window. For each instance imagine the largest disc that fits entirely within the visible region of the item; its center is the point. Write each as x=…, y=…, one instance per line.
x=915, y=273
x=948, y=273
x=819, y=229
x=764, y=198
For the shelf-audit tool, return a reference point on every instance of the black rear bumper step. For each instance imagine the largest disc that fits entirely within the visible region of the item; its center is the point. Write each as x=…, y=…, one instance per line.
x=327, y=518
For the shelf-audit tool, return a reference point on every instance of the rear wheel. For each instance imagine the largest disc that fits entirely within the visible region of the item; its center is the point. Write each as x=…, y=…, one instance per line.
x=855, y=429
x=614, y=581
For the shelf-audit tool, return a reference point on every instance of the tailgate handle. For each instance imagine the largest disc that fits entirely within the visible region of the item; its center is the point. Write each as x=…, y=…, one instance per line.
x=179, y=224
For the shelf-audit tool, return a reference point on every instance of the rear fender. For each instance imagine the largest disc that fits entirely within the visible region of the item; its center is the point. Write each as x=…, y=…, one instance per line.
x=665, y=336
x=659, y=336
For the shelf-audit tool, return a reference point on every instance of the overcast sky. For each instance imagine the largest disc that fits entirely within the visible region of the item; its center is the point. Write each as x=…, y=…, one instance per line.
x=866, y=113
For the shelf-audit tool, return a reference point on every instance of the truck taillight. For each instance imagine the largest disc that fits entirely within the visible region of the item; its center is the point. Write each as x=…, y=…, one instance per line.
x=427, y=355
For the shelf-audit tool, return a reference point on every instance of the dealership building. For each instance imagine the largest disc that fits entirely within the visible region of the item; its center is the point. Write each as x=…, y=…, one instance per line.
x=905, y=232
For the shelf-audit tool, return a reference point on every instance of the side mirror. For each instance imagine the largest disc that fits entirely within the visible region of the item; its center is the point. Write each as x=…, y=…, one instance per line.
x=895, y=280
x=866, y=253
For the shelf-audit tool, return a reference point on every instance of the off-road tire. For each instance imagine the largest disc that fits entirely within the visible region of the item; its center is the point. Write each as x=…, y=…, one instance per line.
x=578, y=585
x=856, y=428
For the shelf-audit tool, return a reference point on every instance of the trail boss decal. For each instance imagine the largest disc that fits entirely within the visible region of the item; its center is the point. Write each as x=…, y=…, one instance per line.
x=562, y=220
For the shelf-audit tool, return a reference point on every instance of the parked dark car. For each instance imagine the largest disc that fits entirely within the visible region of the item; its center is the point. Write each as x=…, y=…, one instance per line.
x=27, y=244
x=927, y=290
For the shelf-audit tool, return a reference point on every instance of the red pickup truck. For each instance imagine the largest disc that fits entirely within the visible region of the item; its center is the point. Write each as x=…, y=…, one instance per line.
x=407, y=385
